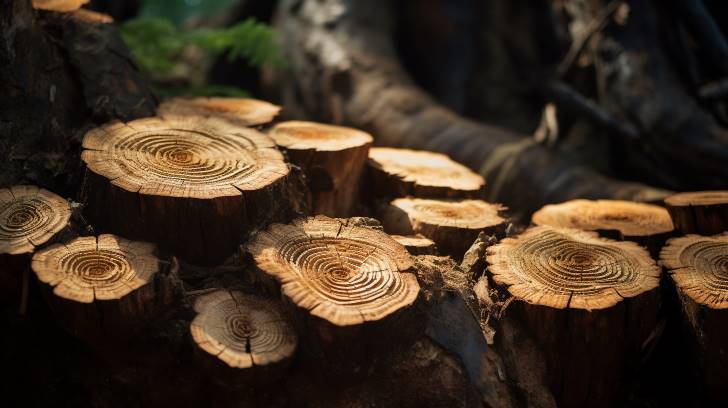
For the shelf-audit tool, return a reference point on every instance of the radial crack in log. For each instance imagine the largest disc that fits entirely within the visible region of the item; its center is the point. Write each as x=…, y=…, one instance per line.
x=574, y=290
x=698, y=267
x=241, y=111
x=402, y=172
x=243, y=332
x=333, y=158
x=646, y=224
x=195, y=185
x=701, y=212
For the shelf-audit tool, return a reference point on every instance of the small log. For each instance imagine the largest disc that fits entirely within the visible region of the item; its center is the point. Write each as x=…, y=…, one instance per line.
x=29, y=217
x=194, y=185
x=244, y=340
x=646, y=224
x=699, y=212
x=416, y=244
x=62, y=6
x=241, y=111
x=589, y=302
x=419, y=173
x=698, y=266
x=333, y=158
x=92, y=17
x=350, y=288
x=452, y=224
x=102, y=287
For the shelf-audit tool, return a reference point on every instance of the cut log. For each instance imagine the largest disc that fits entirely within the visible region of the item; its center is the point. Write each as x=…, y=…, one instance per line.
x=416, y=244
x=574, y=290
x=243, y=338
x=403, y=172
x=92, y=17
x=59, y=5
x=333, y=158
x=698, y=266
x=452, y=224
x=29, y=217
x=700, y=212
x=241, y=111
x=194, y=185
x=646, y=224
x=350, y=287
x=102, y=286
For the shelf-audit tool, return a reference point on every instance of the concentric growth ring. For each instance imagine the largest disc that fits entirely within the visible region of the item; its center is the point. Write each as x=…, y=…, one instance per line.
x=341, y=273
x=29, y=216
x=571, y=268
x=242, y=330
x=102, y=268
x=243, y=111
x=183, y=157
x=699, y=267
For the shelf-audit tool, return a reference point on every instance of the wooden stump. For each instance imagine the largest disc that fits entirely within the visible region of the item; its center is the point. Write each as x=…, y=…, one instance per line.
x=589, y=302
x=194, y=185
x=700, y=212
x=646, y=224
x=102, y=287
x=403, y=172
x=241, y=111
x=244, y=340
x=698, y=266
x=452, y=224
x=351, y=288
x=416, y=244
x=29, y=217
x=333, y=158
x=59, y=5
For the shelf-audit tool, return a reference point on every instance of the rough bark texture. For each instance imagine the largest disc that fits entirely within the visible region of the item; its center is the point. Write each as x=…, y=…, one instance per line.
x=703, y=212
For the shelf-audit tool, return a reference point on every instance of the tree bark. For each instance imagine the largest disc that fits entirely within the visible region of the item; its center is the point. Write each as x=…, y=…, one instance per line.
x=702, y=212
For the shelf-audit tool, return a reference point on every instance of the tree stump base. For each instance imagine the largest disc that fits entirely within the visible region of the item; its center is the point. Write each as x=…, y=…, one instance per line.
x=700, y=212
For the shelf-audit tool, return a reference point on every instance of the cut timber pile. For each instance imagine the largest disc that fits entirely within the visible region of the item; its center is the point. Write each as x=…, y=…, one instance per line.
x=59, y=5
x=646, y=224
x=29, y=217
x=241, y=111
x=333, y=158
x=351, y=286
x=700, y=212
x=194, y=185
x=699, y=268
x=101, y=285
x=243, y=337
x=403, y=172
x=452, y=224
x=589, y=302
x=417, y=244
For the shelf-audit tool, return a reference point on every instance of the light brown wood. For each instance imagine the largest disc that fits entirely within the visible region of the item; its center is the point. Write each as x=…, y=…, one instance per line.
x=93, y=17
x=194, y=185
x=400, y=172
x=452, y=224
x=241, y=111
x=574, y=290
x=699, y=212
x=333, y=158
x=647, y=224
x=59, y=5
x=416, y=244
x=698, y=266
x=242, y=332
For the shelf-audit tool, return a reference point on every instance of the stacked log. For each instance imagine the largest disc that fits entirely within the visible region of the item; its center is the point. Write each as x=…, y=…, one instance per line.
x=333, y=159
x=700, y=212
x=646, y=224
x=196, y=186
x=589, y=302
x=241, y=111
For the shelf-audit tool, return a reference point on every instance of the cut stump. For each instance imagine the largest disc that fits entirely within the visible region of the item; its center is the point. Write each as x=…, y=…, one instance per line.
x=29, y=217
x=350, y=287
x=244, y=339
x=197, y=186
x=102, y=285
x=698, y=266
x=241, y=111
x=452, y=224
x=333, y=158
x=417, y=244
x=699, y=212
x=62, y=6
x=419, y=173
x=589, y=302
x=646, y=224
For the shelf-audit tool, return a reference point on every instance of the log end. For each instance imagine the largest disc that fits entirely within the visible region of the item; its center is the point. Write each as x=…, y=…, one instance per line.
x=300, y=135
x=62, y=6
x=242, y=111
